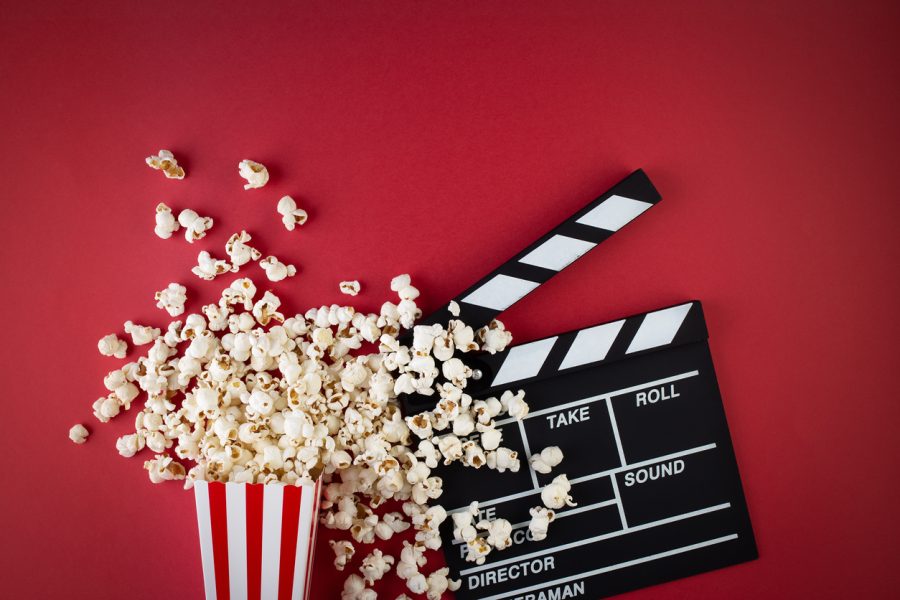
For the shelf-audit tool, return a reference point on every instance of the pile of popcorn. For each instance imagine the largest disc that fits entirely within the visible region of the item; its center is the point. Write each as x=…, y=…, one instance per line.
x=240, y=392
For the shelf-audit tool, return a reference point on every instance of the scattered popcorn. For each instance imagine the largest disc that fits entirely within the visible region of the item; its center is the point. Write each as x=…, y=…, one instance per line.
x=291, y=216
x=548, y=458
x=166, y=224
x=245, y=393
x=141, y=335
x=195, y=226
x=110, y=345
x=540, y=521
x=165, y=162
x=276, y=270
x=239, y=252
x=172, y=299
x=494, y=337
x=437, y=583
x=351, y=288
x=375, y=565
x=556, y=494
x=453, y=308
x=355, y=589
x=78, y=434
x=256, y=174
x=164, y=468
x=343, y=553
x=129, y=445
x=208, y=268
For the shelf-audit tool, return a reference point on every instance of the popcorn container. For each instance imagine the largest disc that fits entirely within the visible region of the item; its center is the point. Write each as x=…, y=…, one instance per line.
x=257, y=540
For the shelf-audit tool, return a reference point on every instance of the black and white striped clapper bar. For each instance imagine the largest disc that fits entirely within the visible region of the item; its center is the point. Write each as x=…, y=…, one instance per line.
x=635, y=407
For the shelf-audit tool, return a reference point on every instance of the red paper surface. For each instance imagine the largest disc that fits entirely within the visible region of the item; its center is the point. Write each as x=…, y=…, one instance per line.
x=436, y=139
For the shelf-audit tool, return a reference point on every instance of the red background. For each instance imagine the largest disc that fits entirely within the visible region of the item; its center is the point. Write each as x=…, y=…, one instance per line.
x=436, y=139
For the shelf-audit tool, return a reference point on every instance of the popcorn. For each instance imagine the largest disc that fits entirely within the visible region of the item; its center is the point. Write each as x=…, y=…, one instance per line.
x=166, y=224
x=351, y=288
x=503, y=459
x=355, y=589
x=375, y=565
x=195, y=226
x=556, y=494
x=514, y=404
x=291, y=216
x=463, y=527
x=239, y=252
x=499, y=533
x=106, y=408
x=249, y=394
x=78, y=434
x=208, y=268
x=437, y=583
x=494, y=337
x=548, y=458
x=164, y=468
x=453, y=308
x=172, y=299
x=141, y=335
x=343, y=553
x=165, y=162
x=276, y=270
x=477, y=550
x=540, y=521
x=110, y=345
x=256, y=174
x=417, y=584
x=129, y=445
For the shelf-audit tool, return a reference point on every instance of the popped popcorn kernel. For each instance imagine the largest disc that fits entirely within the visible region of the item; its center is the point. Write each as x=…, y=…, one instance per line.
x=165, y=161
x=291, y=216
x=256, y=174
x=172, y=299
x=195, y=226
x=541, y=518
x=343, y=553
x=351, y=288
x=166, y=224
x=277, y=270
x=555, y=495
x=546, y=459
x=78, y=433
x=239, y=251
x=208, y=268
x=111, y=345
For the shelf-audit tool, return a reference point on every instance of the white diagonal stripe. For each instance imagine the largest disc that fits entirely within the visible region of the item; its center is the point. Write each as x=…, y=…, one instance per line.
x=501, y=292
x=524, y=361
x=308, y=510
x=236, y=516
x=273, y=495
x=659, y=328
x=557, y=253
x=201, y=497
x=614, y=213
x=591, y=344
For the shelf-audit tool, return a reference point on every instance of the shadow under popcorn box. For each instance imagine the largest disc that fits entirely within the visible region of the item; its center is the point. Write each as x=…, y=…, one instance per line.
x=257, y=541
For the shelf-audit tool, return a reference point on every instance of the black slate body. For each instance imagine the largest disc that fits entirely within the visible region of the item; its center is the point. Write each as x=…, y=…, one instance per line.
x=647, y=449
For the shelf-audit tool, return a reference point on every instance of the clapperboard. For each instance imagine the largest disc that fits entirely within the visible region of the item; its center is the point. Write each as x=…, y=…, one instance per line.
x=635, y=407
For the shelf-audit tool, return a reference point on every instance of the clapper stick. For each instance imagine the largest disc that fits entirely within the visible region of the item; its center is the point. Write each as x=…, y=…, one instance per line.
x=552, y=252
x=547, y=256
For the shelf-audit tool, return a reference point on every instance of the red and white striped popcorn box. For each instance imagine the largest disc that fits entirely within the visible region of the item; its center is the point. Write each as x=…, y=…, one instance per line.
x=257, y=541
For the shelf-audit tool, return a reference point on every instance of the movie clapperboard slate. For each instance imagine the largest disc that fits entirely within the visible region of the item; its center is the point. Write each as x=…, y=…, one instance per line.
x=635, y=407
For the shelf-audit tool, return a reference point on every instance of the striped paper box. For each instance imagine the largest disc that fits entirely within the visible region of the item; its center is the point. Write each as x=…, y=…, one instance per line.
x=257, y=541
